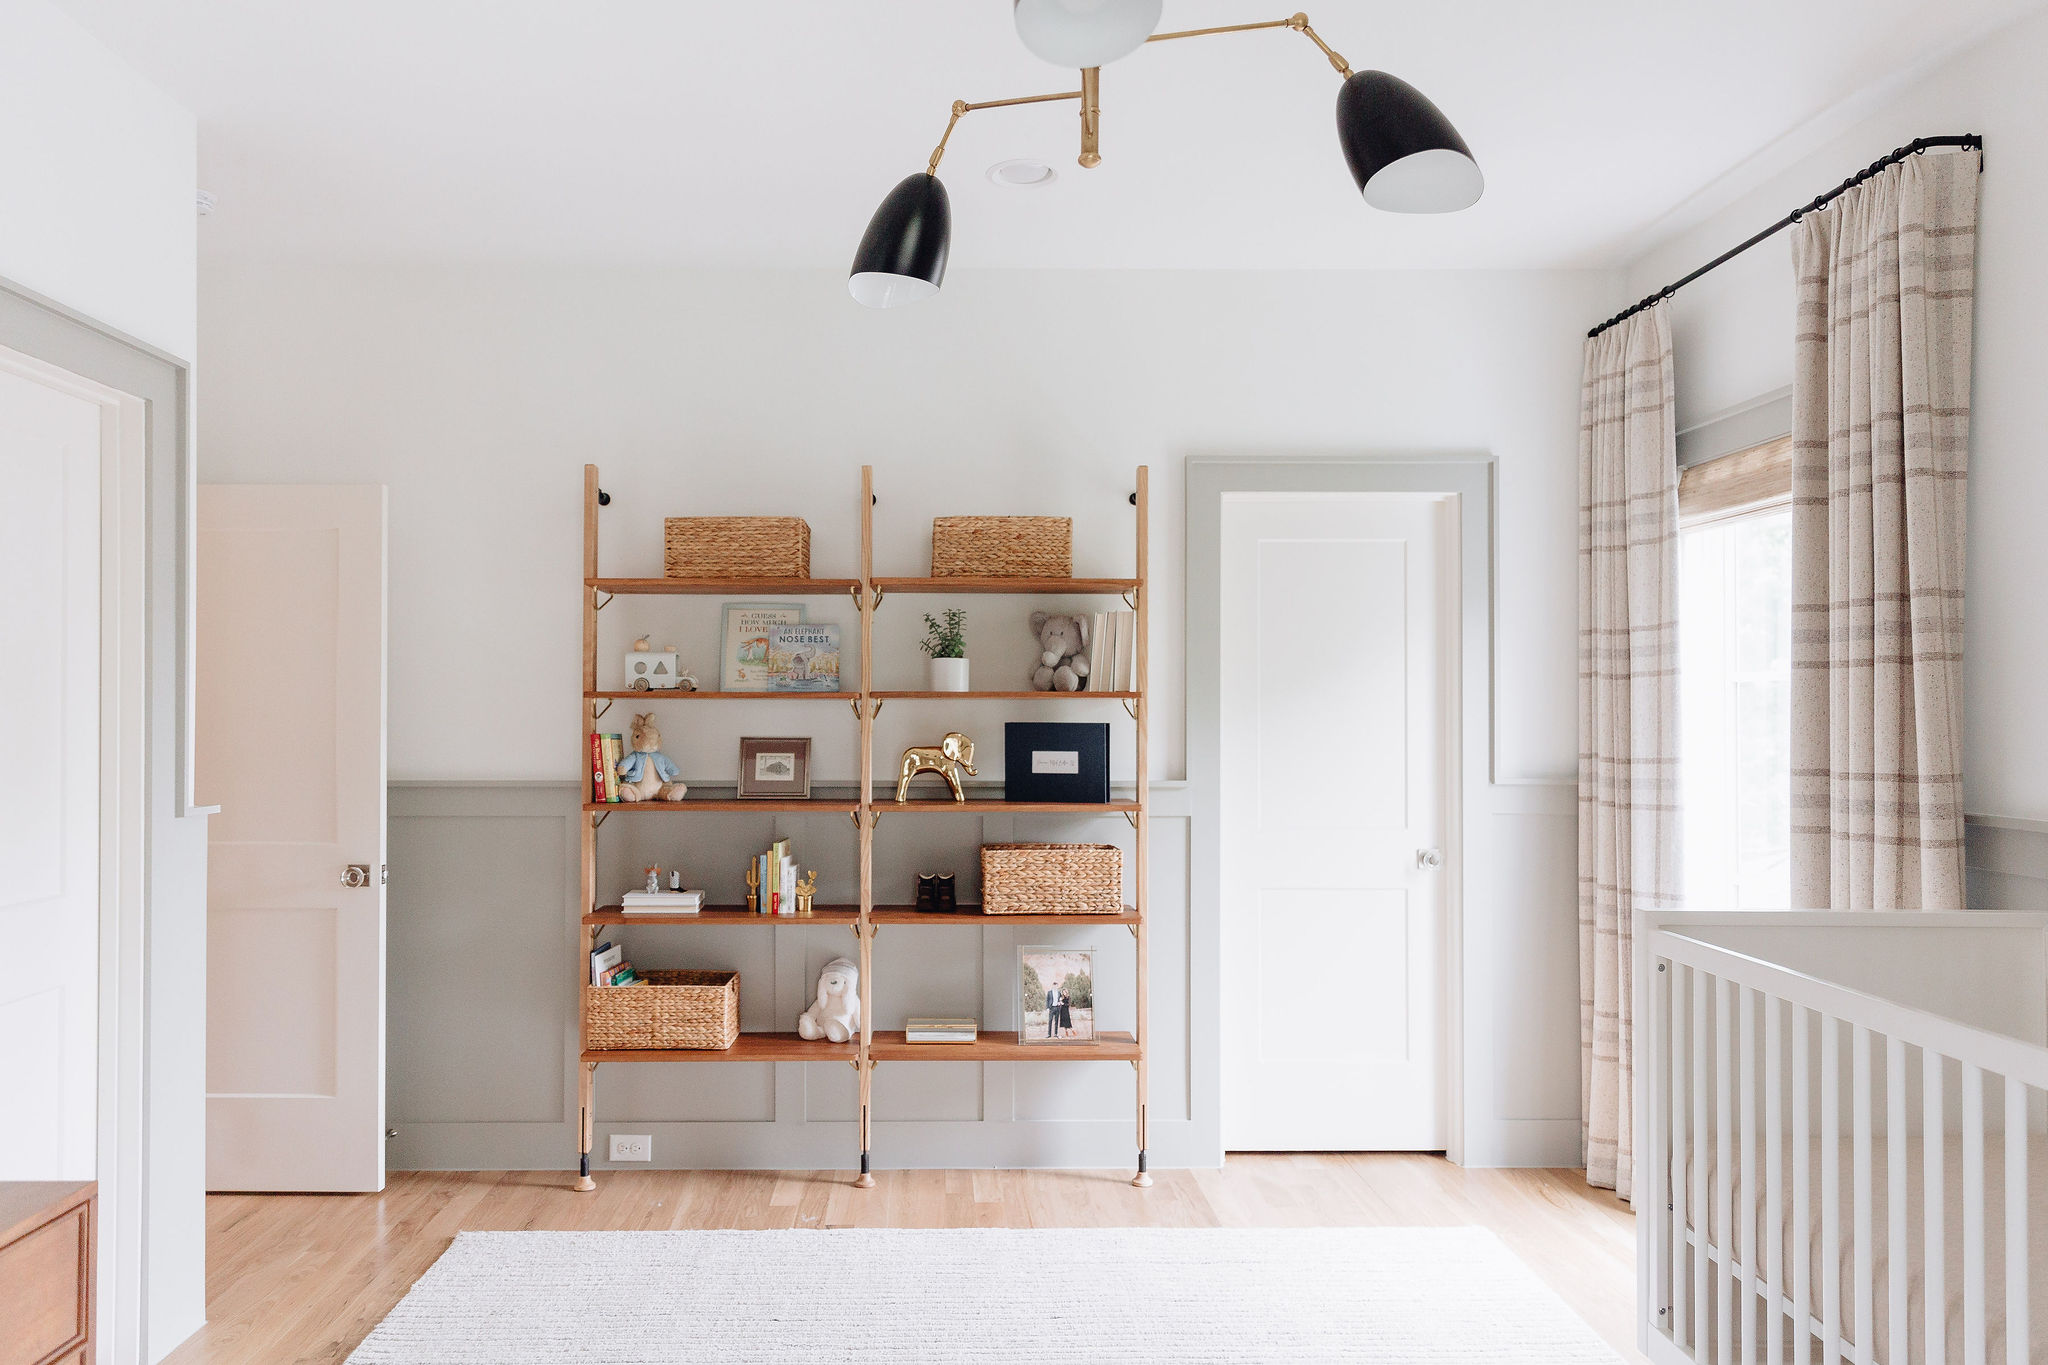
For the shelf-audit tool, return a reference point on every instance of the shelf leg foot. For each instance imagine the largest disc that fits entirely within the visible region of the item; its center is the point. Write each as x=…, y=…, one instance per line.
x=866, y=1179
x=584, y=1183
x=1142, y=1179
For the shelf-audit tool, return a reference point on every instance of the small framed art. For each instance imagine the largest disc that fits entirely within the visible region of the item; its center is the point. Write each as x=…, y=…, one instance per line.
x=1056, y=989
x=775, y=769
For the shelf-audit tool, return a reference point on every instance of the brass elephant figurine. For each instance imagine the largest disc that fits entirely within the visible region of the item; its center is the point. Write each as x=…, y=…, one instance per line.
x=953, y=756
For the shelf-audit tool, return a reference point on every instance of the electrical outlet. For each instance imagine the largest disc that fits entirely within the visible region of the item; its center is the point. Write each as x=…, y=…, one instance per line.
x=632, y=1147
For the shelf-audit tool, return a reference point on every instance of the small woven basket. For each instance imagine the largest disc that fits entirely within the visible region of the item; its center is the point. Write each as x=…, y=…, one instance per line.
x=1052, y=879
x=699, y=1010
x=737, y=547
x=1002, y=547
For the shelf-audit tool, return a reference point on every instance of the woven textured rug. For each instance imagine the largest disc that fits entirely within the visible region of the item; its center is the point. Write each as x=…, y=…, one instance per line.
x=1069, y=1296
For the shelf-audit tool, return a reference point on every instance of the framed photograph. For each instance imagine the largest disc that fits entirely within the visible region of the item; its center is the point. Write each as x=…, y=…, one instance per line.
x=775, y=769
x=743, y=656
x=1057, y=995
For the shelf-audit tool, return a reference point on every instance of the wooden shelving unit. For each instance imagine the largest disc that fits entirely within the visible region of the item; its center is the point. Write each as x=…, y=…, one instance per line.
x=868, y=593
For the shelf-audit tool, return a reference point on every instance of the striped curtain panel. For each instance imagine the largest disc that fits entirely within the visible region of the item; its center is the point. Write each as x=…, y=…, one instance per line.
x=1628, y=703
x=1881, y=434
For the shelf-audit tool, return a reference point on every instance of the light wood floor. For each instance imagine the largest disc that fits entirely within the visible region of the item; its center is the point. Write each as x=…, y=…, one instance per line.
x=305, y=1277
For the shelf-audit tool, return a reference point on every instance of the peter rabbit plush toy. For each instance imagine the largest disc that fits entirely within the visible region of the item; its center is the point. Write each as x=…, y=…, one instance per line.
x=648, y=774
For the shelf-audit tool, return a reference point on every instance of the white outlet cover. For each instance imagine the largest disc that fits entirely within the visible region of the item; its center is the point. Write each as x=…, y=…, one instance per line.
x=632, y=1147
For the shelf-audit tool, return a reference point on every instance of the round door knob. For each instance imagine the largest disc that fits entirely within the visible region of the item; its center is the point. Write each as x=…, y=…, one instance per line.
x=1429, y=857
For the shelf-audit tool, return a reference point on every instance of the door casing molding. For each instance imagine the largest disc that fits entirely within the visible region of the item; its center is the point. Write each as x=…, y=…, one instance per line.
x=1471, y=479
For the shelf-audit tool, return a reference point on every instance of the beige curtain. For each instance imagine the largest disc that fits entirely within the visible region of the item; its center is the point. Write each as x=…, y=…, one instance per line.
x=1881, y=431
x=1628, y=702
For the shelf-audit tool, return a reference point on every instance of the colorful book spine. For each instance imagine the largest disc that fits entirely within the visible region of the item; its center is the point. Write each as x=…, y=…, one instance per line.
x=613, y=751
x=596, y=766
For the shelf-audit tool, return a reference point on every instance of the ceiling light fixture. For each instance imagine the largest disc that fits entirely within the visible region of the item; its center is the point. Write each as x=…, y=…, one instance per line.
x=1404, y=155
x=1022, y=173
x=1085, y=33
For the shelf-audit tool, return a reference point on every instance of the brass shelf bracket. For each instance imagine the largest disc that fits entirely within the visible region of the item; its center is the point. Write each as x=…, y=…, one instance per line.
x=1132, y=708
x=598, y=824
x=1131, y=599
x=876, y=605
x=597, y=593
x=854, y=703
x=1131, y=816
x=598, y=714
x=880, y=702
x=853, y=591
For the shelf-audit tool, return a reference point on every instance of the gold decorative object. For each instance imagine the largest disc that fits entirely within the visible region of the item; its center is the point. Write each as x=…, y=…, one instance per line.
x=953, y=756
x=753, y=888
x=806, y=887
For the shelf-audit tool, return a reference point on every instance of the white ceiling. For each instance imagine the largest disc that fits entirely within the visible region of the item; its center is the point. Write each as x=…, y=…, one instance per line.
x=754, y=133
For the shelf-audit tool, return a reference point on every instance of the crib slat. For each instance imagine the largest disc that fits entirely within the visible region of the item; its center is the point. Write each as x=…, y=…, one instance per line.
x=1897, y=1256
x=1701, y=985
x=1746, y=1019
x=1934, y=1196
x=1774, y=1182
x=2017, y=1338
x=1973, y=1215
x=1802, y=1189
x=1865, y=1316
x=1830, y=1190
x=1724, y=1169
x=1682, y=985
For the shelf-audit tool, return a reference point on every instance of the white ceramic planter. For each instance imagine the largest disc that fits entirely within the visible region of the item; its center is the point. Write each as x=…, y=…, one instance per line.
x=949, y=675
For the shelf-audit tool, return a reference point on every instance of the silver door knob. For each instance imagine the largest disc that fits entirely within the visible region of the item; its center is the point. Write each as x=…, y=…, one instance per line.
x=1429, y=857
x=355, y=874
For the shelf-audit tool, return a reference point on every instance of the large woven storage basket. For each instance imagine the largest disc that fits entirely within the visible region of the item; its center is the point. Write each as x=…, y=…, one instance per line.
x=1002, y=547
x=1052, y=879
x=699, y=1010
x=737, y=547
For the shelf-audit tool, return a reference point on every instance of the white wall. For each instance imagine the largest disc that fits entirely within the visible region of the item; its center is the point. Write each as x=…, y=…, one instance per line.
x=1732, y=342
x=97, y=178
x=477, y=393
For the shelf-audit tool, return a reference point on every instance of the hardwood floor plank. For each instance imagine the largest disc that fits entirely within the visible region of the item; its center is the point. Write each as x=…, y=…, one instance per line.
x=305, y=1277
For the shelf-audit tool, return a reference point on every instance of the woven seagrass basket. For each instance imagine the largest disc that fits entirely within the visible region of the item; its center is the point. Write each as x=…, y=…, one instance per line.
x=1052, y=879
x=737, y=547
x=1002, y=547
x=699, y=1010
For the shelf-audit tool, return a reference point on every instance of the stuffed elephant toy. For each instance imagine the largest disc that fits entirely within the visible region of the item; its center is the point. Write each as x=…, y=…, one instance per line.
x=1062, y=660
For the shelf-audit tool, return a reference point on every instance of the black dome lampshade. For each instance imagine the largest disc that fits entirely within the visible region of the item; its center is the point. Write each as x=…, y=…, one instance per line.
x=1403, y=152
x=902, y=255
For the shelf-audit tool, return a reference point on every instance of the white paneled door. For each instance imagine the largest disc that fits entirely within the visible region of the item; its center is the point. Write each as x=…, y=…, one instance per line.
x=1338, y=620
x=291, y=747
x=49, y=778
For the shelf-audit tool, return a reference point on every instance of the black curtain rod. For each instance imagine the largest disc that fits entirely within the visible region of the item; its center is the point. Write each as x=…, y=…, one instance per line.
x=1913, y=148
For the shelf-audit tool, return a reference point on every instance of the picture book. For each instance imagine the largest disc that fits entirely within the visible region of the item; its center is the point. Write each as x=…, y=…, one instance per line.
x=803, y=658
x=743, y=662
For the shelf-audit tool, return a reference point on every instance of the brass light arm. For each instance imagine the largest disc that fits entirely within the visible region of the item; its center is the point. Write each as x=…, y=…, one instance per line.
x=1297, y=22
x=961, y=107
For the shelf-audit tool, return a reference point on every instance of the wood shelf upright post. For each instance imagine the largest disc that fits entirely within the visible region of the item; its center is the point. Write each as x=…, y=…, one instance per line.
x=586, y=882
x=864, y=1061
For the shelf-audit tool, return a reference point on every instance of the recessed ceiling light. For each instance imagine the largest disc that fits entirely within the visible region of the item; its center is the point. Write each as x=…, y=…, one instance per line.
x=1022, y=173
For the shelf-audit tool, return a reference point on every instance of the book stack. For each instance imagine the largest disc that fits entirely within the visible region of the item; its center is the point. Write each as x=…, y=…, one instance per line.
x=1113, y=652
x=776, y=871
x=939, y=1031
x=608, y=967
x=661, y=902
x=605, y=753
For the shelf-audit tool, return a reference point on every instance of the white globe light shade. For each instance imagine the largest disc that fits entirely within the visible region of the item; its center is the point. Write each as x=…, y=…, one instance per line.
x=1082, y=33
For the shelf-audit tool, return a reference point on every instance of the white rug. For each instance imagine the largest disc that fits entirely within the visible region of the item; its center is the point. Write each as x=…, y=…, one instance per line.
x=1007, y=1296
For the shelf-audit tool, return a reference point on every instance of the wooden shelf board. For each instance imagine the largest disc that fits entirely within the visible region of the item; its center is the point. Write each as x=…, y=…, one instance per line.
x=1018, y=586
x=677, y=694
x=890, y=1046
x=973, y=914
x=723, y=587
x=751, y=1047
x=929, y=806
x=728, y=914
x=773, y=807
x=990, y=696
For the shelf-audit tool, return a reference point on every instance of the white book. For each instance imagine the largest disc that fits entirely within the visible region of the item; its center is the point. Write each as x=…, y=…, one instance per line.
x=661, y=902
x=1127, y=651
x=605, y=957
x=1100, y=656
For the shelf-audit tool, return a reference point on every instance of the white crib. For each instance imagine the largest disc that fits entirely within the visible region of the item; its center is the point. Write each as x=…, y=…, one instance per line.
x=1841, y=1137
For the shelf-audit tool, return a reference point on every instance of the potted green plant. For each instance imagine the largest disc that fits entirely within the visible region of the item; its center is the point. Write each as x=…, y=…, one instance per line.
x=945, y=641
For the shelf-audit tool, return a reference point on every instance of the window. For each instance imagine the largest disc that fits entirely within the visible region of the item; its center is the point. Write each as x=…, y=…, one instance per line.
x=1735, y=678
